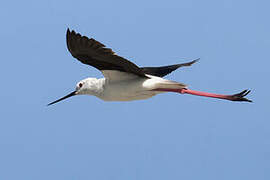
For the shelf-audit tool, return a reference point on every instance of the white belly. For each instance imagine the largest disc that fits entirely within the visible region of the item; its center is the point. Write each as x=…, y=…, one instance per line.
x=123, y=91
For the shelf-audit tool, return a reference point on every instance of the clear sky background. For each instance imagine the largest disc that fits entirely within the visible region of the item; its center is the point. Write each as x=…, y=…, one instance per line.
x=170, y=136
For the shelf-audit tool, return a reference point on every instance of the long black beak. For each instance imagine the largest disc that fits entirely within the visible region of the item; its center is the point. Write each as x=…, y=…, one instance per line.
x=67, y=96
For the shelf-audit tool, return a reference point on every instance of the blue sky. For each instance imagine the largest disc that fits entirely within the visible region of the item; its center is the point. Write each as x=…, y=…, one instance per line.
x=170, y=136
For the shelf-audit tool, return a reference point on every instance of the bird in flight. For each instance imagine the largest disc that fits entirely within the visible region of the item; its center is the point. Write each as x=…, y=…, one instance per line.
x=123, y=80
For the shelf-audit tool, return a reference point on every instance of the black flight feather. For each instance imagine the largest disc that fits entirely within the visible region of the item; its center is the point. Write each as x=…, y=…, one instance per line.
x=164, y=70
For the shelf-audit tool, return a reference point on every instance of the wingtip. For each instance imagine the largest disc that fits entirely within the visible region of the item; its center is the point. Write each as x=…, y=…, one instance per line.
x=196, y=60
x=68, y=32
x=190, y=63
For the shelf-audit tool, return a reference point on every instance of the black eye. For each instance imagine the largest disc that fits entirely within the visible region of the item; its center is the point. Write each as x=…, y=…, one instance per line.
x=80, y=85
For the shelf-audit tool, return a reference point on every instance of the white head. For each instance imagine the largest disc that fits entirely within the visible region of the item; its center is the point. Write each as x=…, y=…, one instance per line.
x=88, y=86
x=91, y=86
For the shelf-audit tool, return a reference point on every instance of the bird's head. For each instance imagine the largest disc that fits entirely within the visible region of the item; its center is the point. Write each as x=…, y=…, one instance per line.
x=91, y=86
x=87, y=86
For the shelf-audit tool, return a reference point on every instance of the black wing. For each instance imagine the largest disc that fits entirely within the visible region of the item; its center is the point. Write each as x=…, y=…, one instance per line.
x=164, y=70
x=93, y=53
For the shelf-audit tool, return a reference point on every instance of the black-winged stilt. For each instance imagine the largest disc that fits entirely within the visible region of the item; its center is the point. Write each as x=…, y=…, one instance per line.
x=123, y=80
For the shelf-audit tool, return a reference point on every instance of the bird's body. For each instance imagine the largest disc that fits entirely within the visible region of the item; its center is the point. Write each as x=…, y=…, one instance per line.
x=126, y=91
x=123, y=80
x=126, y=87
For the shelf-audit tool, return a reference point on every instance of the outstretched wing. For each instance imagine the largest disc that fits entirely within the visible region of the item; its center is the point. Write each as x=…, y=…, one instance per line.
x=164, y=70
x=93, y=53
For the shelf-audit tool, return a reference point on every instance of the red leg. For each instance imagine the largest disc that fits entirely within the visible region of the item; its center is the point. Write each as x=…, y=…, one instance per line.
x=235, y=97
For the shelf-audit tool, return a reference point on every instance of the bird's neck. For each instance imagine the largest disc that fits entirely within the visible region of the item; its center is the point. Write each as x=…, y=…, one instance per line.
x=96, y=87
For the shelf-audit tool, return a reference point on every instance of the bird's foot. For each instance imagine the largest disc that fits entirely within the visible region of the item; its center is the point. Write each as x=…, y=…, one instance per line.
x=240, y=96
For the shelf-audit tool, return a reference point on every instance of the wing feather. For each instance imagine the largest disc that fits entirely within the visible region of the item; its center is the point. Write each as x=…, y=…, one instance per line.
x=94, y=53
x=165, y=70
